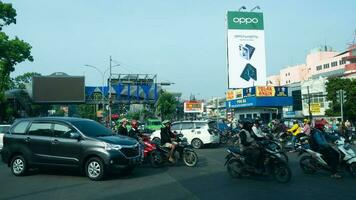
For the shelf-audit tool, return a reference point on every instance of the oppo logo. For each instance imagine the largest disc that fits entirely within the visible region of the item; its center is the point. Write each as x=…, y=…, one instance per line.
x=243, y=20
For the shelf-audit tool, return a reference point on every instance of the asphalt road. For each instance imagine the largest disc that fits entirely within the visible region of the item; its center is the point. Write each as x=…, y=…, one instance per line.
x=209, y=180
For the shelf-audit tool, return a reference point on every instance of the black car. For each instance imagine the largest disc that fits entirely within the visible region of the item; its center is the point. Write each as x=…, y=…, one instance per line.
x=68, y=142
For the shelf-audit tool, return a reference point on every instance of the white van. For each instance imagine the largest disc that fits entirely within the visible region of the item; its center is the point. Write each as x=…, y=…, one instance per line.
x=196, y=132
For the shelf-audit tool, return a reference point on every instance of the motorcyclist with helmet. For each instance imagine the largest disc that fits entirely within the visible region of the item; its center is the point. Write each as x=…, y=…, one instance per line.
x=295, y=130
x=134, y=132
x=248, y=145
x=167, y=138
x=319, y=144
x=257, y=132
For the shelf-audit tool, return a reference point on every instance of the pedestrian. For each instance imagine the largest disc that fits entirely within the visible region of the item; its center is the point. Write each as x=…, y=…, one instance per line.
x=122, y=130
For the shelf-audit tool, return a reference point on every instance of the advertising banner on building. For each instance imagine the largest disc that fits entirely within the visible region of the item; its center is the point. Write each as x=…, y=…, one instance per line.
x=193, y=107
x=265, y=91
x=281, y=91
x=315, y=108
x=245, y=49
x=248, y=92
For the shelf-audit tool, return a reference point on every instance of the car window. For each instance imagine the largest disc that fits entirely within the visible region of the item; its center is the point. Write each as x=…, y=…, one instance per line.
x=40, y=129
x=62, y=131
x=175, y=127
x=199, y=125
x=4, y=129
x=20, y=128
x=92, y=128
x=187, y=125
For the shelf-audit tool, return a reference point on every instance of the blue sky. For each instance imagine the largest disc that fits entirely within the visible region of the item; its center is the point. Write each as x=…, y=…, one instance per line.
x=181, y=41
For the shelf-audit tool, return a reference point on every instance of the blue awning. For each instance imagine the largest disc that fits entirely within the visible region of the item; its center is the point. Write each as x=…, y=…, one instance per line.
x=260, y=102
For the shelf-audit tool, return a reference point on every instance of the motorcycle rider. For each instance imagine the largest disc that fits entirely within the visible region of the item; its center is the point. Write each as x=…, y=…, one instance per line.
x=122, y=130
x=167, y=137
x=295, y=130
x=306, y=127
x=248, y=145
x=319, y=144
x=134, y=132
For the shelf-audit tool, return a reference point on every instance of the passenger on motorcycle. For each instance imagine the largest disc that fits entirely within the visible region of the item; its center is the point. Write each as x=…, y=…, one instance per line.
x=167, y=138
x=122, y=130
x=257, y=131
x=319, y=144
x=306, y=127
x=134, y=132
x=248, y=145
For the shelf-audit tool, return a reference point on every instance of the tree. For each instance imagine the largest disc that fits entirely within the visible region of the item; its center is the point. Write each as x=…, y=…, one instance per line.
x=12, y=52
x=348, y=85
x=166, y=106
x=87, y=111
x=20, y=81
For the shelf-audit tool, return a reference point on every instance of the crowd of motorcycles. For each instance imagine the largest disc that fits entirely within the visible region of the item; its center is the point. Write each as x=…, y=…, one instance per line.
x=273, y=150
x=274, y=159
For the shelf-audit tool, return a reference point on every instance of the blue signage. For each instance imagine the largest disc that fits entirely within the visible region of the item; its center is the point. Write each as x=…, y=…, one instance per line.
x=260, y=102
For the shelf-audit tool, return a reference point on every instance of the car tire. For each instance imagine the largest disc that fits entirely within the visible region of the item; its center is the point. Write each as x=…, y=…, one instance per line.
x=197, y=143
x=95, y=169
x=19, y=165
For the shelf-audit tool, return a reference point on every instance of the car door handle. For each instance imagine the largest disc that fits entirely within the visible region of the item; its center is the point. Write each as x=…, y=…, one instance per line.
x=55, y=141
x=27, y=139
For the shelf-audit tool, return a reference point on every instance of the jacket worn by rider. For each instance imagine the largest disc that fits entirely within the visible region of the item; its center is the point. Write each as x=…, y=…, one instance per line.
x=134, y=133
x=245, y=139
x=122, y=131
x=166, y=135
x=295, y=129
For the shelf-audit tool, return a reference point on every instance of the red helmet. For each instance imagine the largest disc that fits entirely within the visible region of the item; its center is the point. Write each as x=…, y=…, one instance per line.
x=320, y=124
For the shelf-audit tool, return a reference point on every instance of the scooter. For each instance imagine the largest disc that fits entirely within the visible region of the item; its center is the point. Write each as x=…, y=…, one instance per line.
x=312, y=161
x=273, y=164
x=150, y=153
x=183, y=151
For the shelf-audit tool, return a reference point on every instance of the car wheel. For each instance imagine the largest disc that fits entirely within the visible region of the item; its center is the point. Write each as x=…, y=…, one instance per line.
x=94, y=169
x=197, y=143
x=19, y=165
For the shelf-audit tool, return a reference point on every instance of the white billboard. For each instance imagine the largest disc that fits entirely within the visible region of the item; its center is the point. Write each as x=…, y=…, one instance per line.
x=245, y=49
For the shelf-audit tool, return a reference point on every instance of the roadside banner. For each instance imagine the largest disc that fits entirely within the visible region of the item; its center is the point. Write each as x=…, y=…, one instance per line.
x=245, y=49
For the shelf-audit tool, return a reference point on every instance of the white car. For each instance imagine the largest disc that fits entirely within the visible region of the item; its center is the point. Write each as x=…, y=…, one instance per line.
x=197, y=133
x=3, y=129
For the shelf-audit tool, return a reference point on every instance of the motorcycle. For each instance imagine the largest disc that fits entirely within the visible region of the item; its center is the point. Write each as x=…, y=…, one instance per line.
x=150, y=152
x=312, y=161
x=273, y=164
x=183, y=151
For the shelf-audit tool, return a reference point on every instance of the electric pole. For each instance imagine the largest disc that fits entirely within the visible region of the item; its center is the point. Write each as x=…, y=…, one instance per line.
x=310, y=112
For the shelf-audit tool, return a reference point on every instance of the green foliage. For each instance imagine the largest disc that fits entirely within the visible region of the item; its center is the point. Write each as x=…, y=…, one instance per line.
x=87, y=111
x=133, y=115
x=166, y=106
x=12, y=51
x=348, y=85
x=20, y=82
x=7, y=15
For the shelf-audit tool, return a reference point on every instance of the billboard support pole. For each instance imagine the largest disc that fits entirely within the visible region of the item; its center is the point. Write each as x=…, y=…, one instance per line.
x=110, y=100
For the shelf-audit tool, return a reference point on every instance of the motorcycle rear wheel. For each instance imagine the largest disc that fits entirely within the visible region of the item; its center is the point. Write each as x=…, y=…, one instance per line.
x=352, y=169
x=306, y=165
x=190, y=158
x=234, y=168
x=282, y=173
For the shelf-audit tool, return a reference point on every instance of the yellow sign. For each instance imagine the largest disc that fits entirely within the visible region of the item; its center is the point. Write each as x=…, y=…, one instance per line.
x=315, y=107
x=265, y=91
x=238, y=94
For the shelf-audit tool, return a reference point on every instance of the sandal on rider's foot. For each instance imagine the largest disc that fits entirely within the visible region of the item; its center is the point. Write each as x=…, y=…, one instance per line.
x=171, y=160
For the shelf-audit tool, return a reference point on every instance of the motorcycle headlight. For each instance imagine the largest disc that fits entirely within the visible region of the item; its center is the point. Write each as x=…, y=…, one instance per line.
x=109, y=146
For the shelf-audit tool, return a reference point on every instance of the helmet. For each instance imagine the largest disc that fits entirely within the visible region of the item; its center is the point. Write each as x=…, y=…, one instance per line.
x=134, y=123
x=166, y=122
x=319, y=124
x=247, y=125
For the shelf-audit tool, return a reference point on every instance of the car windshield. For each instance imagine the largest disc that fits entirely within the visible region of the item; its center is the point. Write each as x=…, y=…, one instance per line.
x=92, y=128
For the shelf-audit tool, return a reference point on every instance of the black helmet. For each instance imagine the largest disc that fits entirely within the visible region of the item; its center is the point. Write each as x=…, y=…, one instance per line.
x=247, y=125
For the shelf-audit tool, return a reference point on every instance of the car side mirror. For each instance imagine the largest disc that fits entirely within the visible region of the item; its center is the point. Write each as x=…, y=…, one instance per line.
x=74, y=135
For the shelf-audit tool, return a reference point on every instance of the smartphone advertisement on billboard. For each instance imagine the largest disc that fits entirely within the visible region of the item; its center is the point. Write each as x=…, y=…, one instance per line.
x=246, y=49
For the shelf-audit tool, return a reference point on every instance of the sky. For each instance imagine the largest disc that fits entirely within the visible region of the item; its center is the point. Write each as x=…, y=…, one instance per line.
x=182, y=41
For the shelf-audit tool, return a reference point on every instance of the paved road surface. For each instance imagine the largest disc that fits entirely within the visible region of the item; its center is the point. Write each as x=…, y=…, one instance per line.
x=209, y=180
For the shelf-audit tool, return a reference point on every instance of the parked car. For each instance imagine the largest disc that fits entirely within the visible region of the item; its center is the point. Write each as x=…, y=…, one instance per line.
x=197, y=133
x=3, y=130
x=69, y=142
